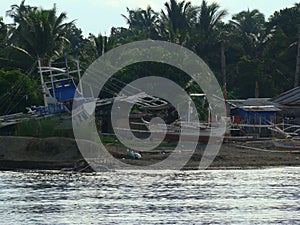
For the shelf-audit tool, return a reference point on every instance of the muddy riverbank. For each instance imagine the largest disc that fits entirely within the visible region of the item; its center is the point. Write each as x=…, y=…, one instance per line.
x=58, y=153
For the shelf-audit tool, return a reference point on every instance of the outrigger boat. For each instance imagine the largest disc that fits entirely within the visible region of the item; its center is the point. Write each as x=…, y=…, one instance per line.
x=287, y=144
x=175, y=131
x=59, y=92
x=290, y=142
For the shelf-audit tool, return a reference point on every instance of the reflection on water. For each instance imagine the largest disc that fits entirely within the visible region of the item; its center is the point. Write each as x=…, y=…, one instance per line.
x=152, y=197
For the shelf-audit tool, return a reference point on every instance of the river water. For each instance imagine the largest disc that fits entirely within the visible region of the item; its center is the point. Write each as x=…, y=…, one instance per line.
x=254, y=196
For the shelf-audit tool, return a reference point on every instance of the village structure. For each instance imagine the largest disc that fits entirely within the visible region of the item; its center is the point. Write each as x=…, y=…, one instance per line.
x=258, y=115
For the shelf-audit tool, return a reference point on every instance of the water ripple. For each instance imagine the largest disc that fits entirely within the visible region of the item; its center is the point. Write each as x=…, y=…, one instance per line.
x=152, y=197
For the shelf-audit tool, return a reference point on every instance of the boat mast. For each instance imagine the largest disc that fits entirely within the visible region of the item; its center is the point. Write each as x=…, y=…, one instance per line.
x=67, y=66
x=79, y=76
x=189, y=111
x=52, y=81
x=42, y=81
x=209, y=116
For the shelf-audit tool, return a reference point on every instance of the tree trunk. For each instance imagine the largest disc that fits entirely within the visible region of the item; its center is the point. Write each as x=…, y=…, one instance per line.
x=296, y=83
x=223, y=63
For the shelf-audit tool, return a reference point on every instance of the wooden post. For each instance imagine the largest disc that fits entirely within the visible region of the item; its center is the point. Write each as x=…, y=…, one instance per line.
x=256, y=89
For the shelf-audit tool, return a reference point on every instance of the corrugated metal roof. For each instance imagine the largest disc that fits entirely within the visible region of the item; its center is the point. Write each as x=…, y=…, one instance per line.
x=254, y=104
x=270, y=108
x=290, y=97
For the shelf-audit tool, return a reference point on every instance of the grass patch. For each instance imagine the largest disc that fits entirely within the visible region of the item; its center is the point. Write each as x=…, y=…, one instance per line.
x=40, y=128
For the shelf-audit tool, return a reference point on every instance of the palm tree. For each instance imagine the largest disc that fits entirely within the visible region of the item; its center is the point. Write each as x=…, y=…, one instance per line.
x=251, y=26
x=4, y=29
x=176, y=21
x=207, y=33
x=19, y=12
x=282, y=50
x=100, y=43
x=209, y=17
x=249, y=22
x=38, y=32
x=143, y=23
x=3, y=32
x=206, y=38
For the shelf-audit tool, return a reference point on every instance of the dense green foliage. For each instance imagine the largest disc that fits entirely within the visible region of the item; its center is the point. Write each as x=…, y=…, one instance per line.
x=18, y=91
x=256, y=50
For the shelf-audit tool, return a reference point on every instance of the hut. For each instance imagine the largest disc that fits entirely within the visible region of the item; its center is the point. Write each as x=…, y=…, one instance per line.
x=254, y=116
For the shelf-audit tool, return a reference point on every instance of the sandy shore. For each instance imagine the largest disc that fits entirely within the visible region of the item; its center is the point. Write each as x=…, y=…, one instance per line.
x=58, y=153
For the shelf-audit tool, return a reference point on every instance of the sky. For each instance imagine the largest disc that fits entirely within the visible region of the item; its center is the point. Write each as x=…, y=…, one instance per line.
x=99, y=16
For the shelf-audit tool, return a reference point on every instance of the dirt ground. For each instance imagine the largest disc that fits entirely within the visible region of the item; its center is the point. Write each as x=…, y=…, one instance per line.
x=230, y=155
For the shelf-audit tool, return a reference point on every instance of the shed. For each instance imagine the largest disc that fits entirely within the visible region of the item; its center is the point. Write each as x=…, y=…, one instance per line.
x=254, y=115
